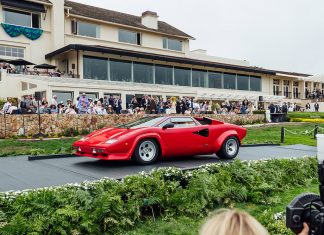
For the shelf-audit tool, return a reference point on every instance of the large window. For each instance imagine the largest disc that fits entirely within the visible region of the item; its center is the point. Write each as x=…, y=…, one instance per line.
x=172, y=44
x=87, y=29
x=215, y=80
x=163, y=75
x=143, y=73
x=229, y=81
x=182, y=77
x=91, y=95
x=63, y=96
x=243, y=82
x=21, y=18
x=120, y=71
x=95, y=68
x=129, y=37
x=255, y=83
x=199, y=78
x=12, y=51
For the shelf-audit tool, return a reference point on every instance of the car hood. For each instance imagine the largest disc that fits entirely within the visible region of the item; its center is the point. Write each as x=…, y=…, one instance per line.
x=103, y=135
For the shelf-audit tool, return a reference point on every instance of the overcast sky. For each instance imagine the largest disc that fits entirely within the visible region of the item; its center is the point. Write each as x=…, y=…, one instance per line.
x=276, y=34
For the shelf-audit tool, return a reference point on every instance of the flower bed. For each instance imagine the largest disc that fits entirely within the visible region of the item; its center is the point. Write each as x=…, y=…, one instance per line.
x=54, y=125
x=312, y=120
x=111, y=206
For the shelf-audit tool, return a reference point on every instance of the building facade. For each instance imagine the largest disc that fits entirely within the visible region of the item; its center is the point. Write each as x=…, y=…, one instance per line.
x=103, y=52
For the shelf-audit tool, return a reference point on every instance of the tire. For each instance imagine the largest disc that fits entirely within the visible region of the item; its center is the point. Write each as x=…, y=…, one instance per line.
x=230, y=148
x=146, y=152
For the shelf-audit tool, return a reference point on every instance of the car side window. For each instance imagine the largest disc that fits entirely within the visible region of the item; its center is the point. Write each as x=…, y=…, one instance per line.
x=183, y=122
x=165, y=122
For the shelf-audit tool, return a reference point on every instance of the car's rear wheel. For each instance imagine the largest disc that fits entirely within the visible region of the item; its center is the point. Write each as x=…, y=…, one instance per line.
x=146, y=151
x=230, y=148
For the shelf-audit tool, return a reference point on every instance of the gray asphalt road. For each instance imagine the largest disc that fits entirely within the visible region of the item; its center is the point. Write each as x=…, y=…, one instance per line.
x=17, y=173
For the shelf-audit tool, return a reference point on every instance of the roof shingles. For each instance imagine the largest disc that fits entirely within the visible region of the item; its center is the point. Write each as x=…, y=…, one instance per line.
x=120, y=18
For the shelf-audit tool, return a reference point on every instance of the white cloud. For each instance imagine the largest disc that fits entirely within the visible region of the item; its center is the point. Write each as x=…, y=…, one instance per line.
x=286, y=35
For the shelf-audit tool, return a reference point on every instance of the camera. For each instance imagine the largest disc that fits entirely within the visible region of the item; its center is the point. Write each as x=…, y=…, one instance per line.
x=309, y=207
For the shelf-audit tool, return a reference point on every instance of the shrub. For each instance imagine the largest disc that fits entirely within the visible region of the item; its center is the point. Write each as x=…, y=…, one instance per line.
x=70, y=132
x=111, y=206
x=259, y=112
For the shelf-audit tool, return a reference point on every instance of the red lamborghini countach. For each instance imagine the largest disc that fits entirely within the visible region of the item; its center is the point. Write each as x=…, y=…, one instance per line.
x=149, y=138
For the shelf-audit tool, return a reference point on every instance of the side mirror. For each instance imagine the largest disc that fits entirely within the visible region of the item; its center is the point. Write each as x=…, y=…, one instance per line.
x=168, y=125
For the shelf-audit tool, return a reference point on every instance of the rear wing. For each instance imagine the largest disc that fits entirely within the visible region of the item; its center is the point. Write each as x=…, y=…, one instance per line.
x=208, y=121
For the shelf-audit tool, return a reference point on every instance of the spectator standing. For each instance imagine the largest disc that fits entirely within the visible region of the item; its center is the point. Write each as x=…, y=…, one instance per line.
x=83, y=98
x=316, y=106
x=307, y=107
x=134, y=103
x=110, y=110
x=118, y=104
x=53, y=109
x=152, y=108
x=6, y=107
x=54, y=100
x=83, y=109
x=71, y=110
x=178, y=106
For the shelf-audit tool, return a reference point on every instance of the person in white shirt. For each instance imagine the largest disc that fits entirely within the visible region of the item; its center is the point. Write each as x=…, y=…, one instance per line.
x=54, y=101
x=6, y=107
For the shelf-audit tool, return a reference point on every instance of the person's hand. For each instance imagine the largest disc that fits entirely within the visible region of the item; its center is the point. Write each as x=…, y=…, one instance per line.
x=305, y=230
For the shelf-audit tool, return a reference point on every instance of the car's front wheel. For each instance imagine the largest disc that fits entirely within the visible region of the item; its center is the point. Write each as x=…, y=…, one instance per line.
x=146, y=151
x=230, y=148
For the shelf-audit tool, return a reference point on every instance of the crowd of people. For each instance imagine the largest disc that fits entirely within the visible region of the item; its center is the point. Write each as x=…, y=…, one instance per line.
x=34, y=71
x=316, y=94
x=138, y=105
x=112, y=104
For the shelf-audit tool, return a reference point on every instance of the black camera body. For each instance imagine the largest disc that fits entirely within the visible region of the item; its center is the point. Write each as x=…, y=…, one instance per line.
x=308, y=208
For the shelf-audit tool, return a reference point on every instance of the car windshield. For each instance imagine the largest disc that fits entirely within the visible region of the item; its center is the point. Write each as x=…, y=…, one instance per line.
x=143, y=122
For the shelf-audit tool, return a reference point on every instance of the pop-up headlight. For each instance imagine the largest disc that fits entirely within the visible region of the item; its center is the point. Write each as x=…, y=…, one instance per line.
x=111, y=141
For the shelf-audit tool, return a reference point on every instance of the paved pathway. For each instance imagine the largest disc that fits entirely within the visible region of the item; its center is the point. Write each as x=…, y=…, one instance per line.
x=17, y=173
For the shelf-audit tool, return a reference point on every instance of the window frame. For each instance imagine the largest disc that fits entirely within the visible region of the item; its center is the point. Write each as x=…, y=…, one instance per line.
x=189, y=118
x=166, y=44
x=11, y=53
x=138, y=37
x=77, y=29
x=31, y=13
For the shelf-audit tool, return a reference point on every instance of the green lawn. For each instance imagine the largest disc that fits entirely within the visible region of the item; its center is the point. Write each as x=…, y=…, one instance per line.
x=257, y=135
x=191, y=226
x=16, y=147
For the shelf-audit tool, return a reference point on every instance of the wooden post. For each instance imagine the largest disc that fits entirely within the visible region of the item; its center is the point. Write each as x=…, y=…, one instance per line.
x=315, y=131
x=282, y=135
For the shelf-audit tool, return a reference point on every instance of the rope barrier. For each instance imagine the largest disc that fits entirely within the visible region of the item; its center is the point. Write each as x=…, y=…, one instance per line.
x=306, y=132
x=313, y=132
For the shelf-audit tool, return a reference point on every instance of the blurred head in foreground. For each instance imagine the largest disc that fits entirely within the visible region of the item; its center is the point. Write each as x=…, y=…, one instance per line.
x=232, y=222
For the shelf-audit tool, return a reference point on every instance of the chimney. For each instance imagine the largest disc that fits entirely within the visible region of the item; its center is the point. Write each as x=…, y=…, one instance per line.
x=150, y=19
x=57, y=24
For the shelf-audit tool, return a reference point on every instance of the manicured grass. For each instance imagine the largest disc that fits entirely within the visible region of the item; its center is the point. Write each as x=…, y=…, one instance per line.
x=306, y=115
x=190, y=226
x=271, y=134
x=16, y=147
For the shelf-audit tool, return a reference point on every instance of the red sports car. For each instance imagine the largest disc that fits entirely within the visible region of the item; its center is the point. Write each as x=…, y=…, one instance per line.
x=149, y=138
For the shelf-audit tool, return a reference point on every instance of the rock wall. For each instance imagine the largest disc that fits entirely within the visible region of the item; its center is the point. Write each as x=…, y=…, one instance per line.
x=15, y=125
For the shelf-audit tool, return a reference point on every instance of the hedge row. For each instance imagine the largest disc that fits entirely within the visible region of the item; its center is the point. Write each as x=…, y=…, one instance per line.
x=110, y=207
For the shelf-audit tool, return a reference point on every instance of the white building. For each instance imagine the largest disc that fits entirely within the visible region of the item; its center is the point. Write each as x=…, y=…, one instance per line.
x=108, y=52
